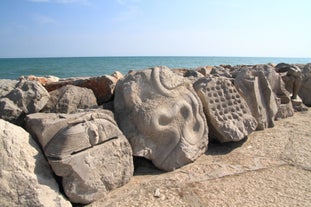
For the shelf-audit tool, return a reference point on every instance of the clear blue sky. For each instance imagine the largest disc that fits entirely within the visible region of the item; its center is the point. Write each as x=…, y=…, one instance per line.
x=49, y=28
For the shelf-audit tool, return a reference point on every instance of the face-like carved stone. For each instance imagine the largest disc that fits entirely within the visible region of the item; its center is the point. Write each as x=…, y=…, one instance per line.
x=161, y=115
x=86, y=149
x=227, y=113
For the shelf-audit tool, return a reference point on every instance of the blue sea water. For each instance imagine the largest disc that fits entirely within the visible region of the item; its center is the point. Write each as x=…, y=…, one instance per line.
x=12, y=68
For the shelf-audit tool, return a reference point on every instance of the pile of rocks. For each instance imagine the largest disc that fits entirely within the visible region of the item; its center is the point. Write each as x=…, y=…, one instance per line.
x=87, y=130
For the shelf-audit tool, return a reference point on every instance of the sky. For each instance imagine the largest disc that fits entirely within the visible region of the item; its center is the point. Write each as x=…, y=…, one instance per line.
x=76, y=28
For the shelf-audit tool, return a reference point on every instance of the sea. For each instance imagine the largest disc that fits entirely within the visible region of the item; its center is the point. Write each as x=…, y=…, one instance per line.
x=65, y=67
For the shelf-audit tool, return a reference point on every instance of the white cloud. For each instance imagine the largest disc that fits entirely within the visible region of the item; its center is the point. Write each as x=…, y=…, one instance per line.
x=129, y=13
x=130, y=9
x=127, y=2
x=44, y=20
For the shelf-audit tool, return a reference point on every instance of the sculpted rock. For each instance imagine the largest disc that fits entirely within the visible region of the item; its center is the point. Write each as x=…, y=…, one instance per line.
x=27, y=97
x=161, y=115
x=69, y=99
x=292, y=78
x=86, y=149
x=282, y=95
x=305, y=87
x=227, y=113
x=257, y=91
x=102, y=86
x=25, y=176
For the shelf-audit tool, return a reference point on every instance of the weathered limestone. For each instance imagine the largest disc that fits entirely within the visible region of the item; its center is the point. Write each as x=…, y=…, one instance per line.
x=221, y=71
x=257, y=91
x=6, y=86
x=282, y=95
x=102, y=86
x=228, y=115
x=305, y=87
x=43, y=80
x=69, y=98
x=27, y=97
x=292, y=78
x=162, y=116
x=25, y=176
x=86, y=149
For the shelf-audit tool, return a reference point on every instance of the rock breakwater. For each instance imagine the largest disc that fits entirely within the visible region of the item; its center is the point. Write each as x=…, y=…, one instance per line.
x=166, y=116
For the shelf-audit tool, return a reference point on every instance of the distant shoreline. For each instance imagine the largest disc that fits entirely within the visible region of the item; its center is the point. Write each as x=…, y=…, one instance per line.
x=64, y=67
x=144, y=56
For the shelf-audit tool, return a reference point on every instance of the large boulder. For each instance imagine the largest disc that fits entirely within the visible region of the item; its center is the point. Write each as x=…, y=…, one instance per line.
x=102, y=86
x=69, y=98
x=25, y=98
x=25, y=176
x=162, y=116
x=6, y=86
x=305, y=86
x=256, y=89
x=282, y=95
x=228, y=115
x=43, y=80
x=86, y=149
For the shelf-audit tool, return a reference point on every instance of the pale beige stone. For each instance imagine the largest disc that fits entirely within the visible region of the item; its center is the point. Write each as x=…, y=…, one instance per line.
x=256, y=89
x=25, y=176
x=228, y=115
x=86, y=149
x=68, y=99
x=162, y=116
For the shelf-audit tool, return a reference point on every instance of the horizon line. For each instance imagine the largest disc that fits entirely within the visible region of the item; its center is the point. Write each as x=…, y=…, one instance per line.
x=33, y=57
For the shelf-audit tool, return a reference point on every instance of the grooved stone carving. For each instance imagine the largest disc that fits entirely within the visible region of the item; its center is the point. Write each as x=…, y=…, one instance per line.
x=257, y=91
x=162, y=116
x=86, y=149
x=227, y=113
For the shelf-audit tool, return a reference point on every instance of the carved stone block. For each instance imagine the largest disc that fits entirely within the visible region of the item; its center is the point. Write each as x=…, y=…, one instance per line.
x=228, y=115
x=162, y=116
x=86, y=149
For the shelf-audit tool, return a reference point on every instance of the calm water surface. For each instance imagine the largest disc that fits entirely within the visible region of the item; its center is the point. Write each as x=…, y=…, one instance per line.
x=12, y=68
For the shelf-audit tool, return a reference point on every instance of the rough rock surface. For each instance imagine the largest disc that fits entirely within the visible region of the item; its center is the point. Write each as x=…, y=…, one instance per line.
x=162, y=116
x=42, y=80
x=6, y=86
x=221, y=72
x=271, y=168
x=25, y=176
x=305, y=88
x=27, y=97
x=86, y=149
x=69, y=99
x=257, y=91
x=282, y=95
x=227, y=113
x=102, y=86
